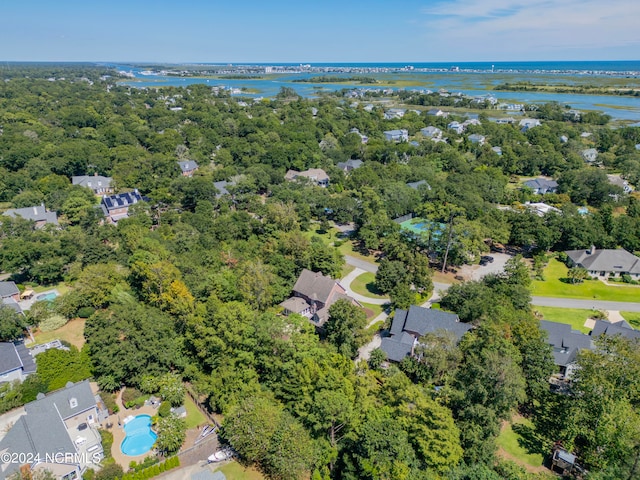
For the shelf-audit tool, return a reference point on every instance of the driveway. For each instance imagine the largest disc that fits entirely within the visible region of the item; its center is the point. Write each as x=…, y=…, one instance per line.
x=477, y=272
x=361, y=264
x=346, y=283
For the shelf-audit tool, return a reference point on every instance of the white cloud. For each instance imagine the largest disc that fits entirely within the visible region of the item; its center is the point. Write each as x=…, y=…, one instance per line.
x=557, y=27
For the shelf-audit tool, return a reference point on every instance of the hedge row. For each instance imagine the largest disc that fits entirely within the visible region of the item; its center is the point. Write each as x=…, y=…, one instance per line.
x=155, y=470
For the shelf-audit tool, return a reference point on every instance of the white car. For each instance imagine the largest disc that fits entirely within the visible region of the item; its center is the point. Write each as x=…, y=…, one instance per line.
x=220, y=455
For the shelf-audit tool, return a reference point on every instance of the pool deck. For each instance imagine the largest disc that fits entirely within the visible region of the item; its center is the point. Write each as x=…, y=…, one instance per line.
x=27, y=303
x=119, y=434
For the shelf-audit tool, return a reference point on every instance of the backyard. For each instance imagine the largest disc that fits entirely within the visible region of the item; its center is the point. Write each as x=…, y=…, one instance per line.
x=555, y=285
x=517, y=443
x=72, y=332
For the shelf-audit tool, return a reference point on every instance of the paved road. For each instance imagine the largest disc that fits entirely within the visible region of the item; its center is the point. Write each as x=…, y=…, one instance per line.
x=585, y=304
x=362, y=264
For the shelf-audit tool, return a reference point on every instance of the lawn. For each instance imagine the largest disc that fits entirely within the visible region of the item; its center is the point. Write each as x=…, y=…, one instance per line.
x=633, y=318
x=365, y=284
x=373, y=310
x=590, y=289
x=72, y=332
x=512, y=443
x=571, y=316
x=195, y=417
x=345, y=247
x=235, y=471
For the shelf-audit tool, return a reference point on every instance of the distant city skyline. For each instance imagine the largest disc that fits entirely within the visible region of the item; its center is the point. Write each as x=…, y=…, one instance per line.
x=285, y=31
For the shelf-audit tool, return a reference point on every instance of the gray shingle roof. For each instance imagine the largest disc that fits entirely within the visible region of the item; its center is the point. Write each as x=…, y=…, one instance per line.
x=8, y=289
x=566, y=342
x=542, y=184
x=349, y=164
x=60, y=400
x=314, y=285
x=603, y=327
x=295, y=304
x=418, y=321
x=187, y=165
x=607, y=260
x=222, y=187
x=93, y=182
x=416, y=185
x=9, y=358
x=37, y=213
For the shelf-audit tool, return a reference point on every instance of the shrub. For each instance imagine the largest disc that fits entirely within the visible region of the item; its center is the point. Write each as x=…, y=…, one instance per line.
x=164, y=409
x=109, y=400
x=107, y=442
x=86, y=312
x=130, y=394
x=626, y=278
x=53, y=323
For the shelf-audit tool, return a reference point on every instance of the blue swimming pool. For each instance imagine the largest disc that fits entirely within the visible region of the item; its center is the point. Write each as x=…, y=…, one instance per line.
x=139, y=437
x=46, y=296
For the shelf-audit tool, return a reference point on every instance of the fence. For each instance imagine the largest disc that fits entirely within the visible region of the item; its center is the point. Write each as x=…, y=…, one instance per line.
x=403, y=218
x=200, y=406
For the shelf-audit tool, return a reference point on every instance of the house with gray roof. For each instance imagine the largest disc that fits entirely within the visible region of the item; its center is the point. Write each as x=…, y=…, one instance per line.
x=456, y=127
x=58, y=433
x=476, y=138
x=401, y=135
x=313, y=295
x=349, y=165
x=187, y=167
x=15, y=362
x=10, y=296
x=99, y=184
x=567, y=343
x=39, y=214
x=221, y=186
x=436, y=112
x=606, y=262
x=409, y=325
x=528, y=123
x=540, y=186
x=431, y=132
x=418, y=184
x=590, y=155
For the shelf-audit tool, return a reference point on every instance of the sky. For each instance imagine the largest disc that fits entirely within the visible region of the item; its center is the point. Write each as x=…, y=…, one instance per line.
x=314, y=31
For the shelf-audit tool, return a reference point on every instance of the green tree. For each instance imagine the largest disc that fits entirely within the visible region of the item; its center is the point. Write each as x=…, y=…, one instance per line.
x=12, y=324
x=345, y=327
x=171, y=434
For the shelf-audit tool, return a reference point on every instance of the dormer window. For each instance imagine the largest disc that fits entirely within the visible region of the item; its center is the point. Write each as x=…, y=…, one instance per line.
x=73, y=402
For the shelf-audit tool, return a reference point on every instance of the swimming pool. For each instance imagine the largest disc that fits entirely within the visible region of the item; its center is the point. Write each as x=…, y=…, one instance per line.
x=139, y=437
x=46, y=296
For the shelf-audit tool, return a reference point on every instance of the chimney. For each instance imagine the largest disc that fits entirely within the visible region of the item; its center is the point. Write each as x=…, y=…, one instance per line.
x=95, y=174
x=592, y=250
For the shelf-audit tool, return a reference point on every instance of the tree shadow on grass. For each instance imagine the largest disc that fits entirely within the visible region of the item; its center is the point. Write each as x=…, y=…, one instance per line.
x=373, y=289
x=529, y=439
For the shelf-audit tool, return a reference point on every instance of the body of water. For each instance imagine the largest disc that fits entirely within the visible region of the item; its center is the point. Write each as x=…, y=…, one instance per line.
x=470, y=78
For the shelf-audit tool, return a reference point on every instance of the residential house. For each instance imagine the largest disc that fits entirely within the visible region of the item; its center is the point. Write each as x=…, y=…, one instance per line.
x=618, y=181
x=316, y=176
x=313, y=295
x=528, y=123
x=393, y=113
x=476, y=138
x=99, y=184
x=116, y=207
x=221, y=186
x=471, y=121
x=456, y=127
x=498, y=150
x=505, y=121
x=541, y=209
x=363, y=138
x=431, y=132
x=590, y=155
x=540, y=186
x=401, y=135
x=409, y=326
x=57, y=433
x=39, y=214
x=436, y=112
x=349, y=165
x=564, y=139
x=567, y=343
x=188, y=167
x=15, y=362
x=606, y=262
x=10, y=296
x=585, y=134
x=418, y=184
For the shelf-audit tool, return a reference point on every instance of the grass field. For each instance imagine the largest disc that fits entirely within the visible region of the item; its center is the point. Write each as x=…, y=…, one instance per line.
x=374, y=309
x=72, y=332
x=590, y=289
x=512, y=443
x=633, y=318
x=195, y=417
x=235, y=471
x=365, y=284
x=571, y=316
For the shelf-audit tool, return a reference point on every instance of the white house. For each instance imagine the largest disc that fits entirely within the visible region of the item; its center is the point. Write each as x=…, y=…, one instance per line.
x=456, y=127
x=431, y=132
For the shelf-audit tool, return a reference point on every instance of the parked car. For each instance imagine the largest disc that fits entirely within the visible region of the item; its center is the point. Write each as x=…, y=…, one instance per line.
x=486, y=259
x=220, y=455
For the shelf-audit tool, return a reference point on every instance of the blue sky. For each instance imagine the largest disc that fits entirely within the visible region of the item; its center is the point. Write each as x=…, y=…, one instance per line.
x=319, y=31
